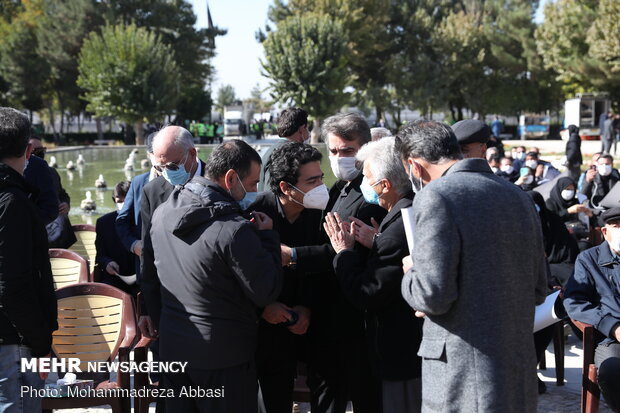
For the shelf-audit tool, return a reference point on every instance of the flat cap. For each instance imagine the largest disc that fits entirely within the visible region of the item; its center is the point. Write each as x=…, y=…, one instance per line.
x=470, y=131
x=610, y=215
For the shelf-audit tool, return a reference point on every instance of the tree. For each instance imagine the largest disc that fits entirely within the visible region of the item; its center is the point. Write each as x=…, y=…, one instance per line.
x=256, y=99
x=304, y=60
x=225, y=97
x=561, y=40
x=116, y=71
x=24, y=72
x=604, y=40
x=193, y=49
x=369, y=46
x=59, y=44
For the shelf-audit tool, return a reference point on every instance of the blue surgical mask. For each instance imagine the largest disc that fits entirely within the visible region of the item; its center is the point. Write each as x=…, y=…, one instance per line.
x=178, y=177
x=369, y=194
x=249, y=197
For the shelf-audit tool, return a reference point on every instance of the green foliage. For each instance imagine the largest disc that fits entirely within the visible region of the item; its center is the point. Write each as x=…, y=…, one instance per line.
x=604, y=40
x=304, y=59
x=120, y=79
x=193, y=49
x=225, y=97
x=579, y=40
x=59, y=44
x=23, y=71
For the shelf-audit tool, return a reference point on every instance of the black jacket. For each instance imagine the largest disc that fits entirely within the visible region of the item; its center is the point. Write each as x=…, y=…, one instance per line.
x=110, y=248
x=216, y=269
x=154, y=194
x=39, y=176
x=28, y=310
x=600, y=186
x=573, y=148
x=334, y=318
x=276, y=341
x=373, y=285
x=63, y=196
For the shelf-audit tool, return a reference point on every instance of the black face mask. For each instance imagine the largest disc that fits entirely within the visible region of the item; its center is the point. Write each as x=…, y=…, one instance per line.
x=39, y=152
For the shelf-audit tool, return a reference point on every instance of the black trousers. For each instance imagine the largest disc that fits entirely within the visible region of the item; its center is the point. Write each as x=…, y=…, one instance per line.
x=276, y=386
x=238, y=384
x=339, y=372
x=607, y=360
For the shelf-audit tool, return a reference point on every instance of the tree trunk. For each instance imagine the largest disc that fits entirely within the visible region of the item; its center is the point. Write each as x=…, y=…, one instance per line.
x=316, y=131
x=378, y=114
x=452, y=112
x=137, y=127
x=52, y=119
x=99, y=128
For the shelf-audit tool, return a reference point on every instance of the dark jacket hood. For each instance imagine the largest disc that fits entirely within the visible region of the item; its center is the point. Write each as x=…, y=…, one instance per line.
x=196, y=203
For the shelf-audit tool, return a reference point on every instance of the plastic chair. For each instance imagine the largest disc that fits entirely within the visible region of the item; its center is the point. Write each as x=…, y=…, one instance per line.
x=590, y=392
x=68, y=268
x=85, y=245
x=96, y=322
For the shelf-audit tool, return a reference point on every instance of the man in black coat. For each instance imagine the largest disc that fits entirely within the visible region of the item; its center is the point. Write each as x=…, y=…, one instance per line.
x=373, y=285
x=597, y=186
x=338, y=365
x=27, y=298
x=573, y=152
x=294, y=203
x=216, y=270
x=175, y=154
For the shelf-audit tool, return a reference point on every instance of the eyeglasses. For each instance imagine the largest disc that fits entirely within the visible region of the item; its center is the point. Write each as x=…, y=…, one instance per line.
x=171, y=166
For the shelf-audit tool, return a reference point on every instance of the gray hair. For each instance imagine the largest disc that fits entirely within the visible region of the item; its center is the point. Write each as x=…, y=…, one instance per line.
x=385, y=163
x=378, y=133
x=183, y=138
x=432, y=141
x=348, y=126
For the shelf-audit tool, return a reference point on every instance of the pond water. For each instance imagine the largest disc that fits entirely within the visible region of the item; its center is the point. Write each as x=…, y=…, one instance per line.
x=110, y=162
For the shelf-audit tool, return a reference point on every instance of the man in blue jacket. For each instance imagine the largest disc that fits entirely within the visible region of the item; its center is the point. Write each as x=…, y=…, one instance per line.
x=592, y=296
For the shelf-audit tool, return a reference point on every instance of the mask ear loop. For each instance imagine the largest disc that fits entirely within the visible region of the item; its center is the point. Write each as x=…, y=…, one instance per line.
x=298, y=190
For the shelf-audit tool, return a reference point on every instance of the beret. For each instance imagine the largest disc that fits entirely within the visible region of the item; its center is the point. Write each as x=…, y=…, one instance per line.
x=612, y=214
x=470, y=131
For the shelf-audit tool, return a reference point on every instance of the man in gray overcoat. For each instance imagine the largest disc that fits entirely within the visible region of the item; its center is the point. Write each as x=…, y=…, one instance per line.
x=475, y=287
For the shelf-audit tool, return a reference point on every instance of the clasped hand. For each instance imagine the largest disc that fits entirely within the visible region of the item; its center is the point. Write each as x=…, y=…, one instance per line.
x=341, y=234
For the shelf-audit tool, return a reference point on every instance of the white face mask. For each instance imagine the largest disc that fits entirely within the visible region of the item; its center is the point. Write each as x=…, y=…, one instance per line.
x=614, y=243
x=604, y=169
x=507, y=168
x=531, y=163
x=568, y=194
x=119, y=205
x=494, y=169
x=520, y=156
x=529, y=179
x=316, y=198
x=344, y=168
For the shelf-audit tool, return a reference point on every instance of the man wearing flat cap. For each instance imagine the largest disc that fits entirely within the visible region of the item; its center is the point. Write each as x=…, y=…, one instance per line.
x=592, y=296
x=472, y=136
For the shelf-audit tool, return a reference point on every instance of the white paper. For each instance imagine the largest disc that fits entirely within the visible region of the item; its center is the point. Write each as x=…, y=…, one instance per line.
x=545, y=313
x=408, y=223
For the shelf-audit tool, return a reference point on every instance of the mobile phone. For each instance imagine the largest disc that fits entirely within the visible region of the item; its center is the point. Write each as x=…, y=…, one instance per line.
x=524, y=171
